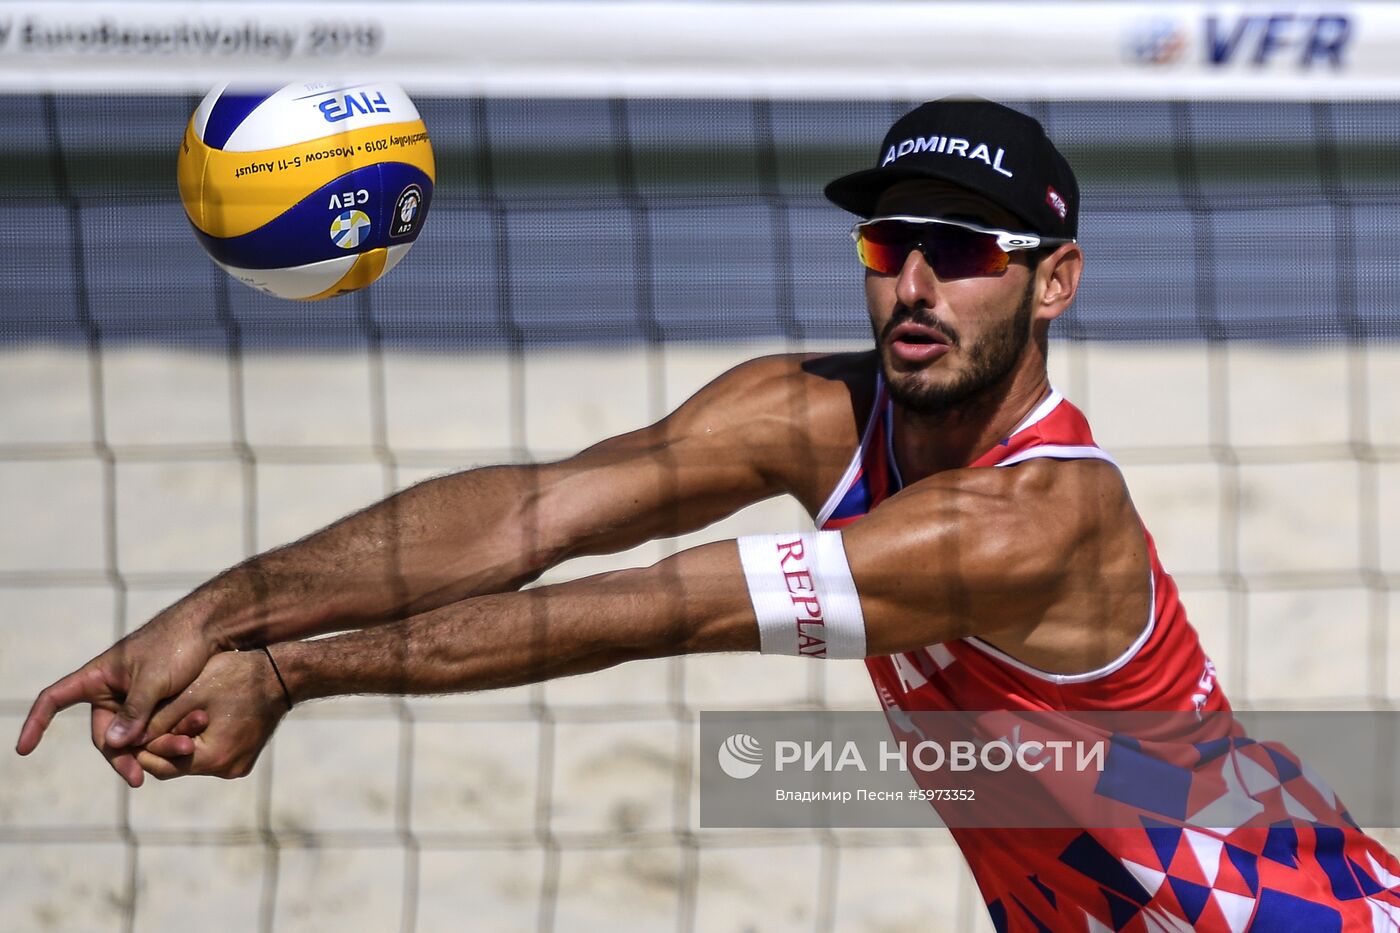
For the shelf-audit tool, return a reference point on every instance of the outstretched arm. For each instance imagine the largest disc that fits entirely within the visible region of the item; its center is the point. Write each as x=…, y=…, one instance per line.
x=478, y=532
x=972, y=554
x=685, y=604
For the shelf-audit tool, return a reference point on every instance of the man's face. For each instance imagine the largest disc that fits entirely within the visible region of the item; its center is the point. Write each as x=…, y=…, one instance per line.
x=942, y=343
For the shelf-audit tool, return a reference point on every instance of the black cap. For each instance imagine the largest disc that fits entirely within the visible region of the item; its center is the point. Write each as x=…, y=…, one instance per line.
x=995, y=151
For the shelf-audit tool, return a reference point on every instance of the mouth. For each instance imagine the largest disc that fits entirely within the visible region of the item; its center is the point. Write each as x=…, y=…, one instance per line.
x=916, y=343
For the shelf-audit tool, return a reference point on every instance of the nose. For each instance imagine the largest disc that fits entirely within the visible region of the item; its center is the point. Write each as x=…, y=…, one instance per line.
x=917, y=284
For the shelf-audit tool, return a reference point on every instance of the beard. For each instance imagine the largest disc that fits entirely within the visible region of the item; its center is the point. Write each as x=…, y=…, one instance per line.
x=987, y=362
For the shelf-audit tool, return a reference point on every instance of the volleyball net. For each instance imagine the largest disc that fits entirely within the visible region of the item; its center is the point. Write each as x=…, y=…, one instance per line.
x=595, y=252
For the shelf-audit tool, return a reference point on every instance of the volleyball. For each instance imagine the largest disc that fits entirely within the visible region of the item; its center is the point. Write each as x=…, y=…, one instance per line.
x=309, y=191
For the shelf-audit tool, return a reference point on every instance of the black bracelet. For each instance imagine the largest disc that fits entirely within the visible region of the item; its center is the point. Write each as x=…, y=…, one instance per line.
x=286, y=694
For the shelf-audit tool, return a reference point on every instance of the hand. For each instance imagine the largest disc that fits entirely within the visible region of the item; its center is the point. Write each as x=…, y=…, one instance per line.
x=124, y=684
x=220, y=724
x=123, y=760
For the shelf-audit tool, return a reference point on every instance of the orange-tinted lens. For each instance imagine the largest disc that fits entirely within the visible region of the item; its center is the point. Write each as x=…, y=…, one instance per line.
x=952, y=252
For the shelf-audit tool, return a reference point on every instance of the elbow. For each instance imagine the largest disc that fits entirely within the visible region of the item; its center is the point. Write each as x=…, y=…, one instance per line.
x=539, y=539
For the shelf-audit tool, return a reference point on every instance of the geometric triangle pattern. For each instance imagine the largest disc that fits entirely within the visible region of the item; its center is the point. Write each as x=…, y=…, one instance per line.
x=1294, y=808
x=1368, y=884
x=1039, y=925
x=1214, y=832
x=1235, y=908
x=1246, y=864
x=1092, y=925
x=1164, y=838
x=1279, y=910
x=1383, y=874
x=997, y=910
x=1255, y=778
x=1207, y=851
x=1230, y=804
x=1048, y=893
x=1306, y=878
x=1384, y=916
x=1144, y=781
x=1191, y=896
x=1087, y=856
x=1329, y=853
x=1121, y=911
x=1281, y=845
x=1150, y=878
x=1265, y=873
x=1286, y=768
x=1157, y=921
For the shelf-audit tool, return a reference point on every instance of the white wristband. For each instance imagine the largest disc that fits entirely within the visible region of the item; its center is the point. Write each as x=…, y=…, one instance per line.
x=803, y=595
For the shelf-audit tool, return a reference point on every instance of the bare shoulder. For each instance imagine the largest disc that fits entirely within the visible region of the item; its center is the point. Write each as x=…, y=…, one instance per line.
x=1036, y=511
x=797, y=417
x=812, y=381
x=1082, y=486
x=1046, y=558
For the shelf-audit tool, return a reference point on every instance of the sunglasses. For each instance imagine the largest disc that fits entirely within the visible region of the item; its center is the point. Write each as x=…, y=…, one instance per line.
x=954, y=250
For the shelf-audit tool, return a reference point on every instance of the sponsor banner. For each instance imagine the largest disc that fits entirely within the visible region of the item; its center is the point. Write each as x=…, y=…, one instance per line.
x=791, y=49
x=1006, y=769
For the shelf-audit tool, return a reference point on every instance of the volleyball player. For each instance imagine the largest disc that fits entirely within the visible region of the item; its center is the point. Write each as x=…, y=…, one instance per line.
x=976, y=548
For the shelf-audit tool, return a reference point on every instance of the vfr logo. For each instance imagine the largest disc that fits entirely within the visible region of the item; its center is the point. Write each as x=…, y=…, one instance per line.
x=1306, y=40
x=345, y=106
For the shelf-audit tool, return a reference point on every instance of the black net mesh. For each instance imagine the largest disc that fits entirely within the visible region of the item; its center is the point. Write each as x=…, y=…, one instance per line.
x=644, y=229
x=641, y=220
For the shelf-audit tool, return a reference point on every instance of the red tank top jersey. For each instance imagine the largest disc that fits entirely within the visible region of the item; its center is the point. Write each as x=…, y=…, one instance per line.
x=1311, y=871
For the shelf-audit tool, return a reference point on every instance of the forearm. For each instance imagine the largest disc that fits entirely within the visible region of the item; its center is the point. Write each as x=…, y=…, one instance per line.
x=684, y=605
x=492, y=530
x=440, y=541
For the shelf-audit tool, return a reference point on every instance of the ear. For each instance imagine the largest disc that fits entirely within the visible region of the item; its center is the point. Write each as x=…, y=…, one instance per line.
x=1057, y=279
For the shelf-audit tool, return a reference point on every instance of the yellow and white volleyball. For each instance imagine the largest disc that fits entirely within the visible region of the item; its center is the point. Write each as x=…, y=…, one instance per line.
x=309, y=191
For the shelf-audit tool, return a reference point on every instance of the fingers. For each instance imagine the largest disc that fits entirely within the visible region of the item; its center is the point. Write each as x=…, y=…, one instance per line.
x=179, y=712
x=124, y=763
x=130, y=723
x=129, y=769
x=163, y=769
x=193, y=724
x=169, y=746
x=180, y=740
x=76, y=687
x=224, y=714
x=171, y=754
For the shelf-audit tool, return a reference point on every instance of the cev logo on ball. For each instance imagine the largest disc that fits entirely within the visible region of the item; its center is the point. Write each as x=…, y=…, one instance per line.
x=349, y=229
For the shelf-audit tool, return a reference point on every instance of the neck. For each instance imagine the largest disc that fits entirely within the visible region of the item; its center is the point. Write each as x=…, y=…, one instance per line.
x=925, y=444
